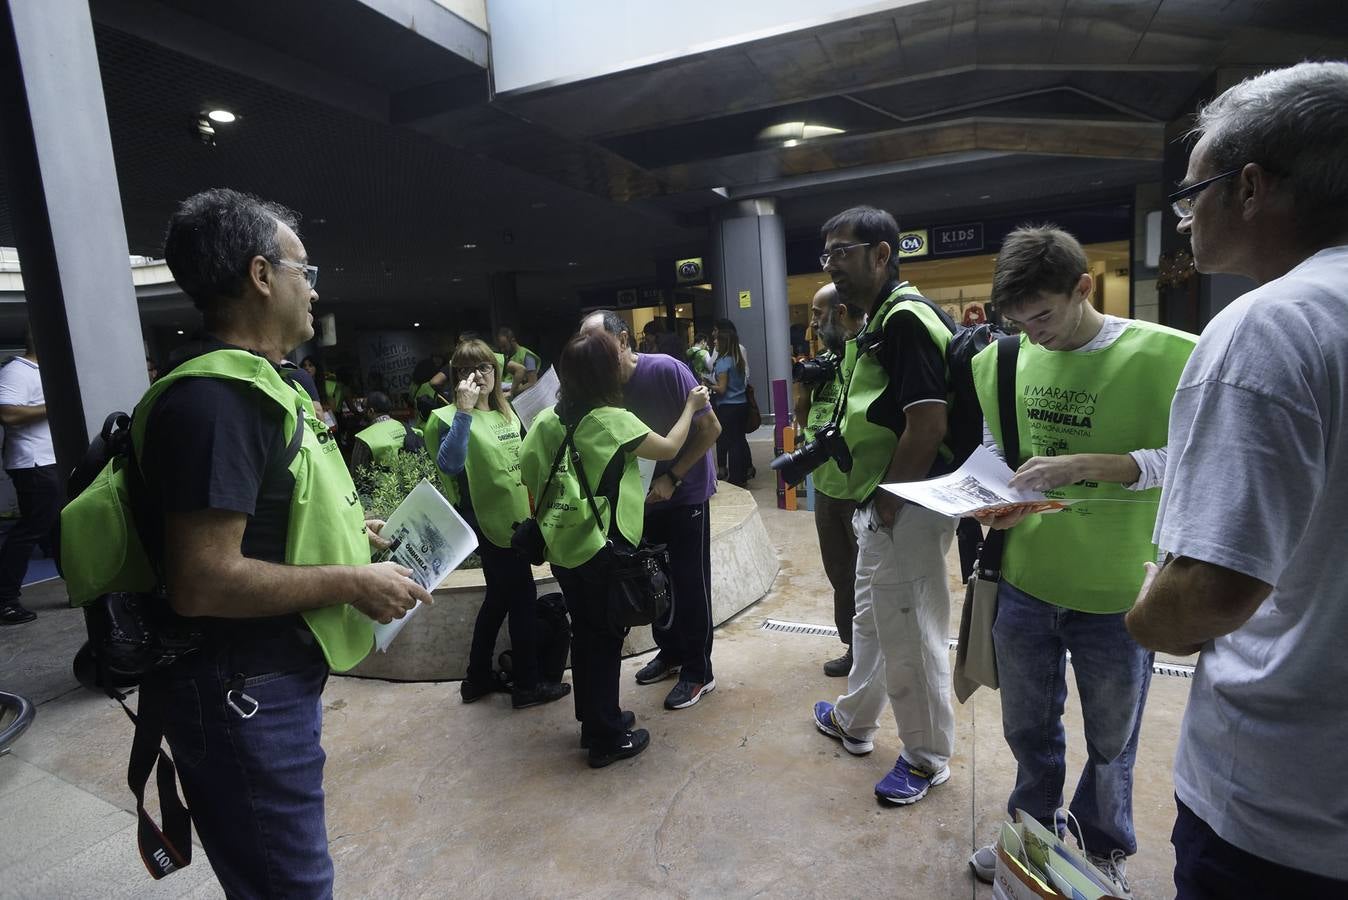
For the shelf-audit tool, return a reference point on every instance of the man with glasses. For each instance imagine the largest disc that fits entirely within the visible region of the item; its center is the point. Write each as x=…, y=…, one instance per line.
x=894, y=422
x=1256, y=499
x=252, y=516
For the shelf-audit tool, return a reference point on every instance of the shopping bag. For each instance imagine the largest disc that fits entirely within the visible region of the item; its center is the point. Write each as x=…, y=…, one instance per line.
x=1033, y=862
x=975, y=657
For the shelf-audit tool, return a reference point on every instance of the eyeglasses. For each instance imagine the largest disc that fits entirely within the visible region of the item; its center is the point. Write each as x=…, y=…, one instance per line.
x=480, y=368
x=839, y=253
x=1183, y=200
x=310, y=272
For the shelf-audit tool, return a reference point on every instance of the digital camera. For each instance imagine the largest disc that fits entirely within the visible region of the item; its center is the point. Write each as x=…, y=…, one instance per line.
x=814, y=371
x=828, y=444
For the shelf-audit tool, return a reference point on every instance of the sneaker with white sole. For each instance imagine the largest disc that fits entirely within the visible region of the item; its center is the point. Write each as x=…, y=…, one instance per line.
x=827, y=722
x=686, y=693
x=907, y=783
x=656, y=670
x=1114, y=867
x=984, y=863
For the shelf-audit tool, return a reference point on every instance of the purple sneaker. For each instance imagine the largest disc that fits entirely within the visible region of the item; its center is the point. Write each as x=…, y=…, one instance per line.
x=906, y=783
x=826, y=722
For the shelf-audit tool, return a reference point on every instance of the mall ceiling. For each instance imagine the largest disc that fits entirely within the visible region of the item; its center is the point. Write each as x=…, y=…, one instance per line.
x=389, y=141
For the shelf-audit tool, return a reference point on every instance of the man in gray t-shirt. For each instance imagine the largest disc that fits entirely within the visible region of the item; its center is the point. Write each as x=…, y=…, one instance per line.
x=1255, y=507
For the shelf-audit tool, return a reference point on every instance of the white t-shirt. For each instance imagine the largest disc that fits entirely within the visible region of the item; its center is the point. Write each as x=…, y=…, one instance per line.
x=1258, y=483
x=28, y=445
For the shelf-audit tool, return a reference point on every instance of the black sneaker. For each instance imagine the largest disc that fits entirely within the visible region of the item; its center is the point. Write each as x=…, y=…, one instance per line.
x=15, y=614
x=840, y=667
x=629, y=719
x=686, y=693
x=473, y=691
x=656, y=670
x=629, y=745
x=543, y=692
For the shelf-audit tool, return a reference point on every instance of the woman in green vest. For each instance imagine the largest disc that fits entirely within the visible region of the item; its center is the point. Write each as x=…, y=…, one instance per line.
x=606, y=439
x=477, y=450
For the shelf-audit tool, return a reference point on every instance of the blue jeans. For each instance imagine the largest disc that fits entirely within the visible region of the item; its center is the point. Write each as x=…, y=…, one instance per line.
x=254, y=786
x=1112, y=673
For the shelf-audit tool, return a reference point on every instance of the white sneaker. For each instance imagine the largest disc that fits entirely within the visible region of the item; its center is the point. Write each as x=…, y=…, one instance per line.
x=1114, y=867
x=984, y=863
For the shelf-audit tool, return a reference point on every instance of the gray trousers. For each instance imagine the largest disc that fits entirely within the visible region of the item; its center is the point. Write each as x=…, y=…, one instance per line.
x=838, y=547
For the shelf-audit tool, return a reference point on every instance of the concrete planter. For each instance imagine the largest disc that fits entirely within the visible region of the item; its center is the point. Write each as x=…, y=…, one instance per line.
x=434, y=645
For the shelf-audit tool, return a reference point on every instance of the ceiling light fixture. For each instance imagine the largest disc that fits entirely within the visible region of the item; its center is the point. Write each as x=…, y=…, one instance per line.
x=573, y=263
x=456, y=279
x=180, y=331
x=789, y=134
x=221, y=116
x=416, y=324
x=470, y=246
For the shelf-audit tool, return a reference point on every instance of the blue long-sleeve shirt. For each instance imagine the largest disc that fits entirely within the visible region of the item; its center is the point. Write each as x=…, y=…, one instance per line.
x=453, y=452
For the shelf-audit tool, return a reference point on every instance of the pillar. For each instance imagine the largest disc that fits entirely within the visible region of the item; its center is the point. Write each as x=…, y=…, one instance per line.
x=67, y=218
x=748, y=271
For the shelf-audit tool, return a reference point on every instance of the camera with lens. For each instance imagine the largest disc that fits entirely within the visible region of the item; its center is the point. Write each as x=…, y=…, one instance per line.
x=814, y=371
x=828, y=444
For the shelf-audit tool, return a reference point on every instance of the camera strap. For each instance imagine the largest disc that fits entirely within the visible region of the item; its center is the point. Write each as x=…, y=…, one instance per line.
x=556, y=464
x=168, y=849
x=840, y=406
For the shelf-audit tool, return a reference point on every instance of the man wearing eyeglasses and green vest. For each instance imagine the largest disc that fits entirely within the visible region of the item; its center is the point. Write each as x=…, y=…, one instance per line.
x=893, y=421
x=253, y=519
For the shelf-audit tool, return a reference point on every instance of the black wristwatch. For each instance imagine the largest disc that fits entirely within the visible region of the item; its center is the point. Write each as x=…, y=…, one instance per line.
x=674, y=478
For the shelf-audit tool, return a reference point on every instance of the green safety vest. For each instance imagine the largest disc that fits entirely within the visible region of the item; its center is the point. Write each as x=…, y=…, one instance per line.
x=1087, y=557
x=518, y=356
x=872, y=444
x=828, y=478
x=422, y=390
x=564, y=516
x=336, y=393
x=699, y=361
x=385, y=440
x=327, y=523
x=490, y=482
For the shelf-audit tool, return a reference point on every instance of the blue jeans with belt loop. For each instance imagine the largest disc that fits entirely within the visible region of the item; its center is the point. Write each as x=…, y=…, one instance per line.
x=254, y=785
x=1032, y=639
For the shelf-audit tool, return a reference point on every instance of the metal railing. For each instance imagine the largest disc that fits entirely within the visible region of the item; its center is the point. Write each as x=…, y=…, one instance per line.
x=16, y=714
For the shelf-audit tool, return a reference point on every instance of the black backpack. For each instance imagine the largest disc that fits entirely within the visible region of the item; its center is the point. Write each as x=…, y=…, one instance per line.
x=964, y=431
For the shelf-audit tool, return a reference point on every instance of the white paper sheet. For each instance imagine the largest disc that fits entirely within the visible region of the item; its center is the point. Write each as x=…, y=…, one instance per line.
x=432, y=540
x=536, y=397
x=982, y=484
x=647, y=468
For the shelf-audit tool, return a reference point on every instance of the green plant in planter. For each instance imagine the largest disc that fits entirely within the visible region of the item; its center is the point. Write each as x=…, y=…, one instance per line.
x=383, y=488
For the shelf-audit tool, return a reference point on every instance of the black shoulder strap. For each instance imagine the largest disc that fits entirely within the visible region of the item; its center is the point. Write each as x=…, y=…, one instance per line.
x=1008, y=348
x=556, y=464
x=589, y=495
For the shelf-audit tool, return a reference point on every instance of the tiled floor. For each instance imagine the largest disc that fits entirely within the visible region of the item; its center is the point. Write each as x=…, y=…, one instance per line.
x=738, y=796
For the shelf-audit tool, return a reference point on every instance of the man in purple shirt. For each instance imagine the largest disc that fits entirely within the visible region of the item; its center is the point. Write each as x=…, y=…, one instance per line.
x=655, y=388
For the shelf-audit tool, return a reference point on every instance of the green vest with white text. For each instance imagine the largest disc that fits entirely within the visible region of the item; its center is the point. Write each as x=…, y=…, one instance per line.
x=1088, y=556
x=491, y=471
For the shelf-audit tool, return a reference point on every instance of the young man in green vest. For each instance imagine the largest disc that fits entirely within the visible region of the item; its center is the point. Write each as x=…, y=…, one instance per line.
x=1093, y=397
x=835, y=322
x=894, y=423
x=515, y=352
x=383, y=439
x=262, y=544
x=698, y=358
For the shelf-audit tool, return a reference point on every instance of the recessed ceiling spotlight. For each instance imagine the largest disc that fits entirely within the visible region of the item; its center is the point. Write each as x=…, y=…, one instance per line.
x=456, y=279
x=985, y=197
x=573, y=263
x=416, y=324
x=221, y=116
x=180, y=331
x=1096, y=183
x=470, y=246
